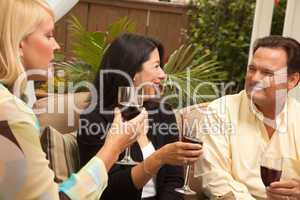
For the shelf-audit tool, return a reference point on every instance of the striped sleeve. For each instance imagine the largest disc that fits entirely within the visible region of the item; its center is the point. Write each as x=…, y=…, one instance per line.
x=23, y=164
x=88, y=183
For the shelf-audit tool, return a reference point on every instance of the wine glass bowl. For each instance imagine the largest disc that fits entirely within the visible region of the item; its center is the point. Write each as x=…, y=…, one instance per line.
x=129, y=111
x=191, y=139
x=130, y=100
x=270, y=170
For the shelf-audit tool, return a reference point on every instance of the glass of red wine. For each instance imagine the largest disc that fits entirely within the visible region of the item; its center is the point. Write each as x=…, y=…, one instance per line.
x=130, y=100
x=187, y=136
x=270, y=169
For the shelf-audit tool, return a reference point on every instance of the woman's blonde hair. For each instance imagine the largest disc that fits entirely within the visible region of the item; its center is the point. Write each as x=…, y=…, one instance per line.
x=18, y=19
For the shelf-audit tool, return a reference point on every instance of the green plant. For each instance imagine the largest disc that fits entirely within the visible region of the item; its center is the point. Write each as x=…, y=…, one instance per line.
x=190, y=78
x=88, y=49
x=182, y=68
x=222, y=29
x=278, y=17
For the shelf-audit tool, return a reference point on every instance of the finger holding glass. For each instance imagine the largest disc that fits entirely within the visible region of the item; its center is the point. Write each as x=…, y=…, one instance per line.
x=284, y=189
x=120, y=136
x=287, y=187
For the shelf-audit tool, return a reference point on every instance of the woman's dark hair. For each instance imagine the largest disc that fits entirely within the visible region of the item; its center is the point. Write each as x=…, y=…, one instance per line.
x=127, y=53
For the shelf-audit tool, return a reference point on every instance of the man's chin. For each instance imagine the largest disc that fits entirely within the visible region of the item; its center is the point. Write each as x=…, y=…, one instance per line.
x=256, y=96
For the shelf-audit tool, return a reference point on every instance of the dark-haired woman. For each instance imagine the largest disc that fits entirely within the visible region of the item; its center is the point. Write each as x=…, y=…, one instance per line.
x=159, y=152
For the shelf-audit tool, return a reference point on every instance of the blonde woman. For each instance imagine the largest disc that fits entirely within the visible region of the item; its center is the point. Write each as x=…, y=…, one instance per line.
x=27, y=43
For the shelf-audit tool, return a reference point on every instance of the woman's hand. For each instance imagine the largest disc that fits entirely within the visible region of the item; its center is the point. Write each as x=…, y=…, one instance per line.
x=121, y=135
x=179, y=153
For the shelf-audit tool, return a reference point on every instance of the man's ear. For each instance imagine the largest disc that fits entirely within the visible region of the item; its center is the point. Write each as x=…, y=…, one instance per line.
x=293, y=80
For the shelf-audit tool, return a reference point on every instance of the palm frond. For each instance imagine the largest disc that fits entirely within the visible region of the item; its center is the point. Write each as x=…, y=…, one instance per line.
x=87, y=46
x=121, y=26
x=189, y=76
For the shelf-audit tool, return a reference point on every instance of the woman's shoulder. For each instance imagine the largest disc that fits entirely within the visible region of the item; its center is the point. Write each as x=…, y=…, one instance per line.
x=97, y=116
x=163, y=122
x=158, y=106
x=17, y=121
x=14, y=110
x=91, y=133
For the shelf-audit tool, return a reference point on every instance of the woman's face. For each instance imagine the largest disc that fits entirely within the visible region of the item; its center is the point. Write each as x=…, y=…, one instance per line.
x=152, y=74
x=37, y=49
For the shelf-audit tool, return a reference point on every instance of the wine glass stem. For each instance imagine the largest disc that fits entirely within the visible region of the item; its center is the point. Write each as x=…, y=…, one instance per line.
x=187, y=177
x=127, y=153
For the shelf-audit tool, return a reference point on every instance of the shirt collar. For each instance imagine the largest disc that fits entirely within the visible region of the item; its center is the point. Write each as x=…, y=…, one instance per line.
x=280, y=120
x=2, y=85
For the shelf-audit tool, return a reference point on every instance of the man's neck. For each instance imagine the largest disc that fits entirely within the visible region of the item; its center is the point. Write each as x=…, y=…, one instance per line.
x=267, y=111
x=270, y=130
x=270, y=115
x=271, y=110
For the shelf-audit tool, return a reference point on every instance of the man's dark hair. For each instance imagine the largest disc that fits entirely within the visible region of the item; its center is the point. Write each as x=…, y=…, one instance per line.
x=289, y=45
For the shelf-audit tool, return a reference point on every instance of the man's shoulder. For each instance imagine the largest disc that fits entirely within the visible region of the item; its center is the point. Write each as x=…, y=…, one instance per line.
x=293, y=106
x=232, y=101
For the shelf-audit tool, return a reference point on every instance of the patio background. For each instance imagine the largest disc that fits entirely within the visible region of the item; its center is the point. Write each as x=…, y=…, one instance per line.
x=161, y=20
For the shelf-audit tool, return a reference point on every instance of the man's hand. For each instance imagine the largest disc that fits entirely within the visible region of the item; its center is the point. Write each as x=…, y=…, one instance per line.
x=284, y=190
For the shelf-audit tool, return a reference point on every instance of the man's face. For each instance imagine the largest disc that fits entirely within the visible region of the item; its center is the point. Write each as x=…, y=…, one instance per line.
x=266, y=79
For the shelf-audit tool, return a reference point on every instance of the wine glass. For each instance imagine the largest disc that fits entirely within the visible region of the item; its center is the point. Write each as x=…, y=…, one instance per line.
x=130, y=100
x=187, y=136
x=270, y=169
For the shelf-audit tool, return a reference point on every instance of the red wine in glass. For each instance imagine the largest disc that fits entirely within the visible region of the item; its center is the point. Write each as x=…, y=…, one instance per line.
x=130, y=100
x=185, y=189
x=129, y=111
x=269, y=175
x=190, y=139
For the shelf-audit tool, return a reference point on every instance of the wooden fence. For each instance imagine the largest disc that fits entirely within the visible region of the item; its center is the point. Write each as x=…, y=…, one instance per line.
x=161, y=20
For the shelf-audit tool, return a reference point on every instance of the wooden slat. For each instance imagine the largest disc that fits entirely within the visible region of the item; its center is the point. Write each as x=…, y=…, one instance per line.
x=164, y=23
x=139, y=4
x=139, y=18
x=100, y=17
x=60, y=32
x=166, y=28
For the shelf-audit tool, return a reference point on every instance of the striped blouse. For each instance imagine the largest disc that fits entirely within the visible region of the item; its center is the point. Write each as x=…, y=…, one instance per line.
x=24, y=171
